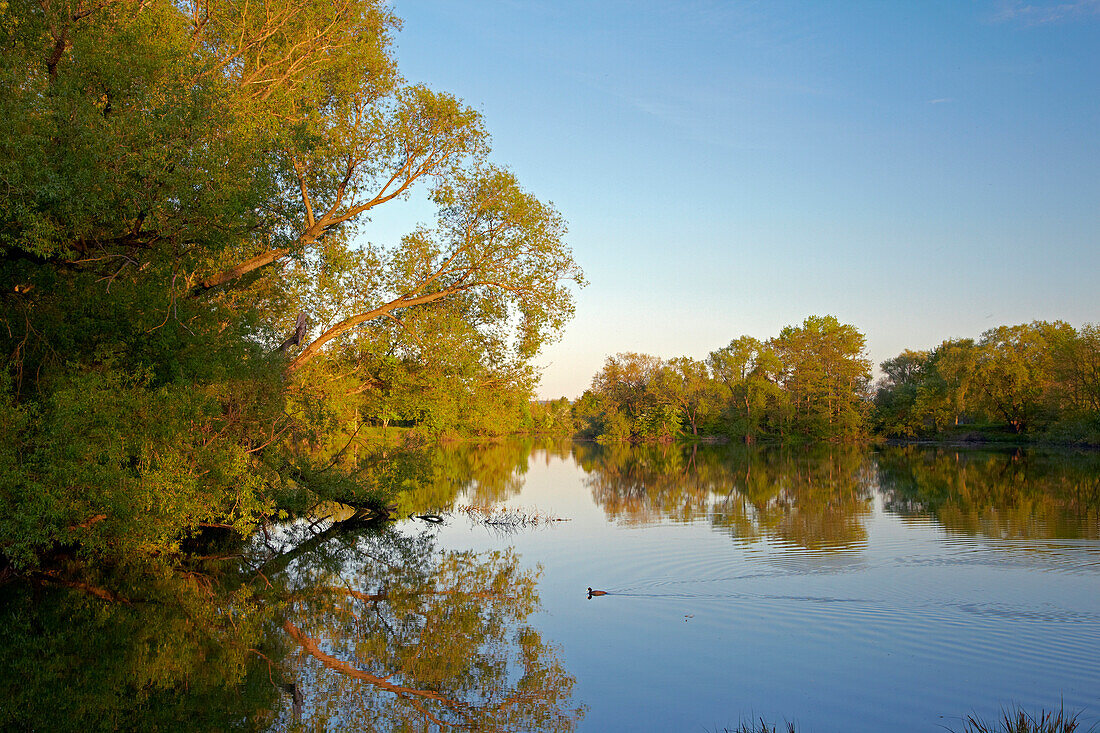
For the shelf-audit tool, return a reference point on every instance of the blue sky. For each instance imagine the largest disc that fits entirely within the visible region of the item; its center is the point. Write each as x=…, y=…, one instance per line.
x=920, y=170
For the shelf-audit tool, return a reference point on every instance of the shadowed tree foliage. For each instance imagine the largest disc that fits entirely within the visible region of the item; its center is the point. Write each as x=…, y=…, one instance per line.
x=897, y=392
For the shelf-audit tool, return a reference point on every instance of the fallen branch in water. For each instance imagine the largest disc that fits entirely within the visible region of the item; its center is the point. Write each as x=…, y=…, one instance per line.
x=507, y=517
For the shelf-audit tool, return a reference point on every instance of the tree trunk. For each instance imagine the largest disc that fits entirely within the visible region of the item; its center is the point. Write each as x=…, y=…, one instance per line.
x=299, y=333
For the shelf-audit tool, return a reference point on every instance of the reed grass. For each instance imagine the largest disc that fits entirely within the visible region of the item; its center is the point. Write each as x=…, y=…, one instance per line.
x=758, y=726
x=1018, y=720
x=1015, y=720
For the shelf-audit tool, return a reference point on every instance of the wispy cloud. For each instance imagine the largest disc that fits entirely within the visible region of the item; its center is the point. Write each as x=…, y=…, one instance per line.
x=941, y=100
x=1042, y=13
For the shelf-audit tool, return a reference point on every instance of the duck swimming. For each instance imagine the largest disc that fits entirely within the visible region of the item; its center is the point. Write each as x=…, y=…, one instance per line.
x=592, y=593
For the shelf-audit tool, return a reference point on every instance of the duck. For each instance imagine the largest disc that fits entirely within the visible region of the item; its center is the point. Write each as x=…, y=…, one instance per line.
x=592, y=593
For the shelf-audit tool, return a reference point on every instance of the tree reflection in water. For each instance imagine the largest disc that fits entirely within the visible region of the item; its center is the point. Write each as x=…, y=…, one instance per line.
x=1003, y=494
x=814, y=498
x=820, y=498
x=484, y=474
x=375, y=629
x=345, y=628
x=397, y=635
x=134, y=648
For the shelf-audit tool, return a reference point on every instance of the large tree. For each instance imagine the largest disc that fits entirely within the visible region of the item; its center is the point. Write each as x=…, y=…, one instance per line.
x=896, y=393
x=496, y=247
x=825, y=371
x=686, y=384
x=1015, y=369
x=190, y=316
x=749, y=372
x=626, y=399
x=948, y=391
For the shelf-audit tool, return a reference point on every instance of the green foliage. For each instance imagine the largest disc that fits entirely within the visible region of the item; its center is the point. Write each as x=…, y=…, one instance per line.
x=685, y=386
x=554, y=417
x=825, y=373
x=1037, y=380
x=809, y=383
x=115, y=133
x=626, y=401
x=812, y=383
x=948, y=385
x=109, y=465
x=748, y=370
x=1014, y=368
x=897, y=393
x=183, y=185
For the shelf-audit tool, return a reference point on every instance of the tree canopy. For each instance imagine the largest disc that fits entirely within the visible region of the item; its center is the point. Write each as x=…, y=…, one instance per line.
x=195, y=325
x=808, y=383
x=1036, y=378
x=812, y=382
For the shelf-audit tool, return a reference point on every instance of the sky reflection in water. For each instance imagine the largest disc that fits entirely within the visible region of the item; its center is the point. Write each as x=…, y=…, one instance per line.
x=840, y=589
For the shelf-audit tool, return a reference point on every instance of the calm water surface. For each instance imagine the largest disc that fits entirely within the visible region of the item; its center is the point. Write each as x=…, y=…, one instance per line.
x=841, y=590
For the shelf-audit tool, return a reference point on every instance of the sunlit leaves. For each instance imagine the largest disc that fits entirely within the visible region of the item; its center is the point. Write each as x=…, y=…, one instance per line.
x=824, y=370
x=184, y=181
x=1029, y=378
x=807, y=383
x=108, y=151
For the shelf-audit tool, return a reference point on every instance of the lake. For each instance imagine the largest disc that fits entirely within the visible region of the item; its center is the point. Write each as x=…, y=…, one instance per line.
x=837, y=588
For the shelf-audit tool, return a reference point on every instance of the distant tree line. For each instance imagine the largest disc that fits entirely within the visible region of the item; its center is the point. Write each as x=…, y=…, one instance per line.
x=809, y=382
x=1036, y=378
x=813, y=383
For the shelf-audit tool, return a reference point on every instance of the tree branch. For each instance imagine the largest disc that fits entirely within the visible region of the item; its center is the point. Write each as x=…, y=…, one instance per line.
x=404, y=301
